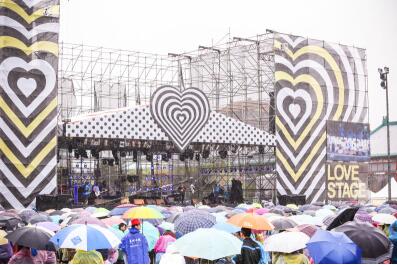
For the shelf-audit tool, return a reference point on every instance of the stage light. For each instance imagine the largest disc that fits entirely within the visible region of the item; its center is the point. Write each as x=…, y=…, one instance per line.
x=261, y=150
x=206, y=153
x=222, y=153
x=111, y=162
x=149, y=157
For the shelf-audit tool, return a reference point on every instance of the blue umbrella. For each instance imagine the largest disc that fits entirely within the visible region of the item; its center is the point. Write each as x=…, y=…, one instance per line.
x=227, y=227
x=85, y=237
x=151, y=233
x=328, y=247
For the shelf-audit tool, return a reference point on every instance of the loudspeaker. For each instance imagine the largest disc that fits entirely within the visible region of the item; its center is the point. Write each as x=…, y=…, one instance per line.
x=46, y=202
x=292, y=199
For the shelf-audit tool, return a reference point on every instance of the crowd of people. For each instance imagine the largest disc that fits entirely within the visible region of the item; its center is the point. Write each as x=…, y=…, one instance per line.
x=154, y=239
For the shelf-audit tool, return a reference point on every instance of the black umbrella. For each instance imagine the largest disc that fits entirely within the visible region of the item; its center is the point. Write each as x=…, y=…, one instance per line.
x=9, y=222
x=283, y=224
x=375, y=245
x=58, y=212
x=343, y=216
x=39, y=218
x=33, y=237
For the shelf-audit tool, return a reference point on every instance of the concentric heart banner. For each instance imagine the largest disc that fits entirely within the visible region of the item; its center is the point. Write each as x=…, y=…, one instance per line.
x=28, y=104
x=316, y=81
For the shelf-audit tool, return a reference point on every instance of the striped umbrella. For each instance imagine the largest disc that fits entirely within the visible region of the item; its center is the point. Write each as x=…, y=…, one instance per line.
x=85, y=237
x=309, y=230
x=189, y=223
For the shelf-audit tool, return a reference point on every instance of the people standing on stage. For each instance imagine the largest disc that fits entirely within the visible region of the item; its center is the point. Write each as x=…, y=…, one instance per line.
x=182, y=191
x=86, y=192
x=135, y=246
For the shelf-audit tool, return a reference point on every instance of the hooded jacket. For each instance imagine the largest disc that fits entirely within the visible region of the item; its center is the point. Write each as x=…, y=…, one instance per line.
x=393, y=239
x=135, y=246
x=250, y=252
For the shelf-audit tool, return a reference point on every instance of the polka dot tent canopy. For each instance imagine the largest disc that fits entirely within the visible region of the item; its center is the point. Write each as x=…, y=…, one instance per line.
x=137, y=123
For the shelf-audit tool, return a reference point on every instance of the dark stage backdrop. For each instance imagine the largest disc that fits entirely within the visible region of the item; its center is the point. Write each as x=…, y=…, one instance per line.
x=28, y=99
x=315, y=81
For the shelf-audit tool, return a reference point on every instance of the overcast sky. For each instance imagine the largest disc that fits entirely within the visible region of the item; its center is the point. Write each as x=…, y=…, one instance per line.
x=164, y=26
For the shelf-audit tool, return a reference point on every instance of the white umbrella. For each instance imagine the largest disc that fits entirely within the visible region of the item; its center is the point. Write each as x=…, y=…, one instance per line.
x=384, y=218
x=322, y=213
x=305, y=219
x=286, y=242
x=208, y=243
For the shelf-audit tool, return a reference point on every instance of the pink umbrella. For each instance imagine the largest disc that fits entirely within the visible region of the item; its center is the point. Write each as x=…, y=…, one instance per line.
x=112, y=221
x=89, y=220
x=261, y=211
x=50, y=226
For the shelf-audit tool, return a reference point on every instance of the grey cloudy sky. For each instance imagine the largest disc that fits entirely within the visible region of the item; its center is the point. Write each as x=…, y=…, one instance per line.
x=162, y=26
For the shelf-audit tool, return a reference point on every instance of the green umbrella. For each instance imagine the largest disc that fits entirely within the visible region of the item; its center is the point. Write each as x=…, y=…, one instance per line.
x=151, y=233
x=208, y=243
x=117, y=232
x=101, y=212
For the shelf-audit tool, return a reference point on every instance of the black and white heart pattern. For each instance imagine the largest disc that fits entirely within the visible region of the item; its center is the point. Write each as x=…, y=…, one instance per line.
x=42, y=66
x=180, y=114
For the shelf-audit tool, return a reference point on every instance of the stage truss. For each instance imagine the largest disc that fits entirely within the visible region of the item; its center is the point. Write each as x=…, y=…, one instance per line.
x=237, y=77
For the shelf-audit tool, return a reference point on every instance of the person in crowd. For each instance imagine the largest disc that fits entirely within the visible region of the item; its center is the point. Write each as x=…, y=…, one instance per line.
x=122, y=227
x=87, y=257
x=5, y=252
x=27, y=255
x=162, y=243
x=67, y=255
x=296, y=257
x=135, y=245
x=182, y=191
x=250, y=251
x=112, y=256
x=393, y=239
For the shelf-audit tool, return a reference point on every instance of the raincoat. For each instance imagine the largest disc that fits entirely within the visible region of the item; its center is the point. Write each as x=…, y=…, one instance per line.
x=162, y=243
x=135, y=246
x=393, y=239
x=5, y=252
x=250, y=252
x=292, y=258
x=87, y=257
x=25, y=256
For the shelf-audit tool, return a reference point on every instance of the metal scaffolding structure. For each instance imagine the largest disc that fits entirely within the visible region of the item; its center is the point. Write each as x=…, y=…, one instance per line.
x=237, y=77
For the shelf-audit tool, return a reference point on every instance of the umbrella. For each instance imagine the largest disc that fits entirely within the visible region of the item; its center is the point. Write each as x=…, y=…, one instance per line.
x=252, y=221
x=304, y=219
x=58, y=212
x=114, y=220
x=229, y=228
x=167, y=226
x=91, y=209
x=363, y=217
x=387, y=210
x=277, y=211
x=189, y=223
x=39, y=218
x=121, y=209
x=327, y=247
x=49, y=225
x=261, y=211
x=85, y=237
x=9, y=222
x=201, y=213
x=292, y=206
x=309, y=230
x=383, y=218
x=283, y=223
x=218, y=244
x=343, y=216
x=324, y=213
x=173, y=217
x=3, y=240
x=220, y=217
x=256, y=205
x=309, y=207
x=151, y=233
x=89, y=220
x=373, y=242
x=26, y=214
x=33, y=237
x=142, y=213
x=329, y=207
x=117, y=232
x=101, y=212
x=286, y=242
x=243, y=206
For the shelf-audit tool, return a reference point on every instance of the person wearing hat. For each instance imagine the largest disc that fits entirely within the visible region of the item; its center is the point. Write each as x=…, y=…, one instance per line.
x=135, y=245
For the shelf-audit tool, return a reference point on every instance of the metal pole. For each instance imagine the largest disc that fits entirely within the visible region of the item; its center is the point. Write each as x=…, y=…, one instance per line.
x=388, y=141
